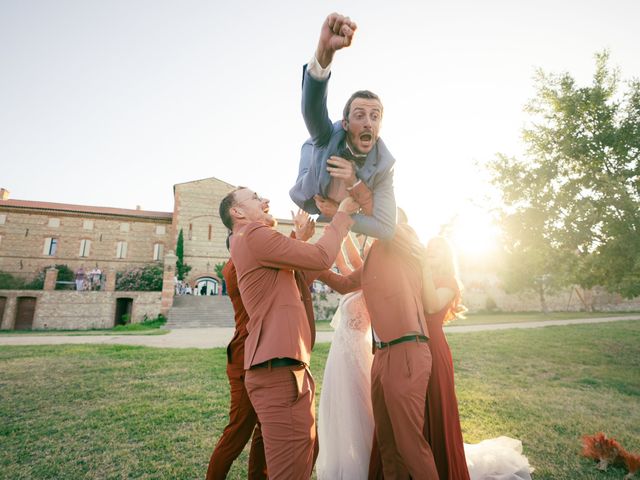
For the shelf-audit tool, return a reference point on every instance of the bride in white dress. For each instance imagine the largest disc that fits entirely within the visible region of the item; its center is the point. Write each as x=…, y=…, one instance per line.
x=345, y=416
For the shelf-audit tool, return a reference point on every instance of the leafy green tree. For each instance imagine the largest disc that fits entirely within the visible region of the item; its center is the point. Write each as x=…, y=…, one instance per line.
x=65, y=274
x=141, y=279
x=218, y=268
x=182, y=269
x=571, y=206
x=11, y=282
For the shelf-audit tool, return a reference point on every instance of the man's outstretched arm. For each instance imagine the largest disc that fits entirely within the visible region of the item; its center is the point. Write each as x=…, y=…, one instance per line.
x=336, y=33
x=272, y=249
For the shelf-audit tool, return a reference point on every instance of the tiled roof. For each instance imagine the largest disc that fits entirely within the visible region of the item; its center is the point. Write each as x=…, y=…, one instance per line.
x=64, y=207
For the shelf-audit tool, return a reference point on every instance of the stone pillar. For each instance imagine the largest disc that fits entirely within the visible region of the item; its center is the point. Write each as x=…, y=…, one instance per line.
x=168, y=287
x=110, y=282
x=9, y=320
x=50, y=277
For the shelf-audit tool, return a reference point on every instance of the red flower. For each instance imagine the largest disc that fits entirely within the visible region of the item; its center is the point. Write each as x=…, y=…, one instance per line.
x=632, y=462
x=607, y=451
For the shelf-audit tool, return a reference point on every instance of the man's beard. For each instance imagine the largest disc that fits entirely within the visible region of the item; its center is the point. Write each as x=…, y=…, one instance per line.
x=272, y=222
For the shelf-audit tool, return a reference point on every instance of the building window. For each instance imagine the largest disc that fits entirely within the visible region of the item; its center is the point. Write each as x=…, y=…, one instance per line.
x=158, y=250
x=161, y=229
x=190, y=236
x=121, y=250
x=50, y=246
x=209, y=232
x=85, y=247
x=87, y=224
x=3, y=218
x=54, y=222
x=124, y=227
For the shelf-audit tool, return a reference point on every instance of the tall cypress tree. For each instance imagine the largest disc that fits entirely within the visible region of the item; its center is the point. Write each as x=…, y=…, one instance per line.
x=182, y=269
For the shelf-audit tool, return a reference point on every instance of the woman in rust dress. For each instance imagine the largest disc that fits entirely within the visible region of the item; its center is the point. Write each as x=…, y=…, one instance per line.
x=441, y=299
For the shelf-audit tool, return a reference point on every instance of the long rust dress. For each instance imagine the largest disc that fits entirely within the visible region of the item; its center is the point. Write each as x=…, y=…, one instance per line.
x=442, y=421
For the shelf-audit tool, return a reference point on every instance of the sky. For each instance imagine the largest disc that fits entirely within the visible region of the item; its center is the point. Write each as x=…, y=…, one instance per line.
x=111, y=103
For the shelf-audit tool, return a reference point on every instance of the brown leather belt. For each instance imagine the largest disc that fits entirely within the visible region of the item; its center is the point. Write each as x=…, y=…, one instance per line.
x=278, y=362
x=407, y=338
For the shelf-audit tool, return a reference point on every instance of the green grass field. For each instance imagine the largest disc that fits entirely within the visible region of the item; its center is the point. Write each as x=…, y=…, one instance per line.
x=512, y=317
x=115, y=412
x=519, y=317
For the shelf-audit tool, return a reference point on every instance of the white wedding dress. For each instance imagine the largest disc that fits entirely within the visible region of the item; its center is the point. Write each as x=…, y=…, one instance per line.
x=345, y=415
x=497, y=459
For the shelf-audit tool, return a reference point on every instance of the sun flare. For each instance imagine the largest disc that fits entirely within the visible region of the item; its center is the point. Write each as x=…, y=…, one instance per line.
x=473, y=233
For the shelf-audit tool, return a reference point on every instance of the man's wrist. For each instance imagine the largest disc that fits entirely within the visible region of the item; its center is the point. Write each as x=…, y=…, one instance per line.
x=355, y=184
x=316, y=70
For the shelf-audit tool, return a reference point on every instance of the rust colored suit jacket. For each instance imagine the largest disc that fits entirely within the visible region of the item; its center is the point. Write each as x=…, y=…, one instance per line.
x=265, y=262
x=391, y=281
x=235, y=349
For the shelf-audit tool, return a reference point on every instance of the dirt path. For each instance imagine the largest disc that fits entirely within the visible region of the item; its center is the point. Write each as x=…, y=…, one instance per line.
x=219, y=337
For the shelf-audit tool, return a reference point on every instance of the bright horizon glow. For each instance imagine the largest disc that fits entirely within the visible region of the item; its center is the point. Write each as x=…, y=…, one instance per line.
x=474, y=234
x=113, y=103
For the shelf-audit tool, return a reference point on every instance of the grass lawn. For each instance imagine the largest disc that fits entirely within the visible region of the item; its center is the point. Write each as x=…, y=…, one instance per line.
x=115, y=412
x=519, y=317
x=509, y=317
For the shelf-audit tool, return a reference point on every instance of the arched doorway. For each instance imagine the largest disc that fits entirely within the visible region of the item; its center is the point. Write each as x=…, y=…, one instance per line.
x=207, y=286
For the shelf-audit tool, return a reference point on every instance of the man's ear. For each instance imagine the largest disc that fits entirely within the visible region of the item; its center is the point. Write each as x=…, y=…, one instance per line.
x=236, y=212
x=345, y=124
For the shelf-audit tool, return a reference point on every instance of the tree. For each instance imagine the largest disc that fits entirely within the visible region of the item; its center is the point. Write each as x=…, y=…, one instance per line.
x=182, y=269
x=571, y=207
x=218, y=269
x=65, y=274
x=11, y=282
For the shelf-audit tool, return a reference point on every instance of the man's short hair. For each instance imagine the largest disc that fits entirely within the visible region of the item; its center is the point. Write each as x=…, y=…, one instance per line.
x=225, y=208
x=359, y=94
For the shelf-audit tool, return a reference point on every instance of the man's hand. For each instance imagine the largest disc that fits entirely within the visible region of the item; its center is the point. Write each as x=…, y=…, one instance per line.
x=349, y=206
x=336, y=33
x=304, y=225
x=338, y=167
x=327, y=207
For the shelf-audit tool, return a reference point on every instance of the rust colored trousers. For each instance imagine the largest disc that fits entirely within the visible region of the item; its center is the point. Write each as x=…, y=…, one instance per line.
x=284, y=399
x=243, y=422
x=399, y=378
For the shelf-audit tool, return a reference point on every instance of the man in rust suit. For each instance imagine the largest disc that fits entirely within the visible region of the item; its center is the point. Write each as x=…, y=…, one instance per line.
x=278, y=346
x=391, y=281
x=243, y=420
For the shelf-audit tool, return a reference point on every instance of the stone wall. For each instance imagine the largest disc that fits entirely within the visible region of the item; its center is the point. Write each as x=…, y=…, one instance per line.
x=78, y=310
x=196, y=213
x=566, y=300
x=23, y=234
x=23, y=231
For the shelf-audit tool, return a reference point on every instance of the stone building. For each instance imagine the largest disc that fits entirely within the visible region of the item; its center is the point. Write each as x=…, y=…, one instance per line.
x=195, y=212
x=35, y=235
